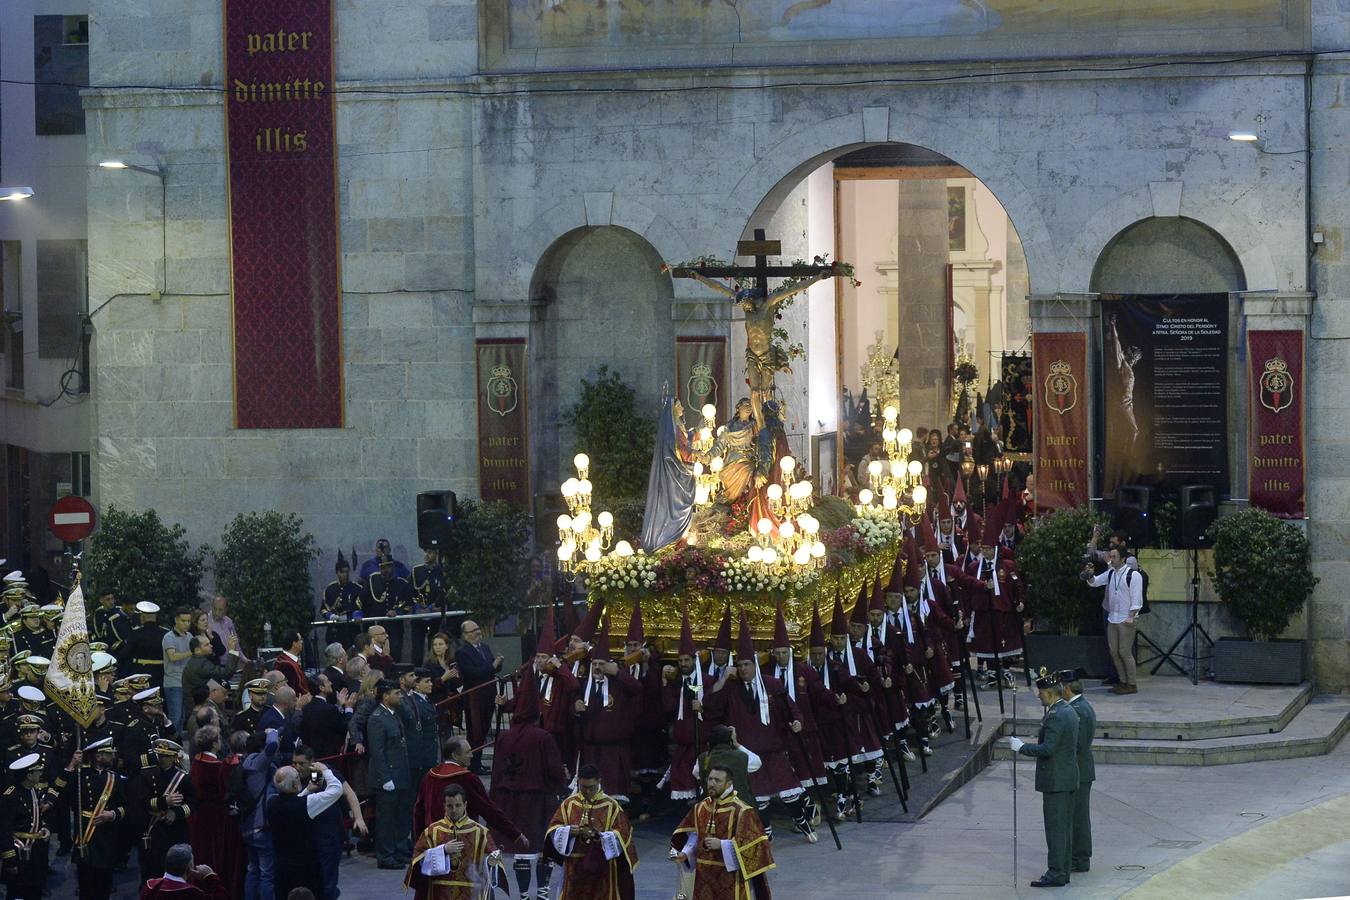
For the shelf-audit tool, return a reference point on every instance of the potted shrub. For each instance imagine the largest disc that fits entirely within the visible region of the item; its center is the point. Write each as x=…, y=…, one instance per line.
x=1050, y=559
x=1263, y=571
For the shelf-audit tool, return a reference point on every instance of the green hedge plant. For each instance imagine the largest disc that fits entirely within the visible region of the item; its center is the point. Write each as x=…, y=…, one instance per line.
x=263, y=568
x=487, y=557
x=1050, y=559
x=138, y=557
x=1262, y=570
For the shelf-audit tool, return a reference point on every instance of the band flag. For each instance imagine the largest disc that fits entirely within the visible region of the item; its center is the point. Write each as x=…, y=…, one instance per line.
x=1275, y=440
x=70, y=677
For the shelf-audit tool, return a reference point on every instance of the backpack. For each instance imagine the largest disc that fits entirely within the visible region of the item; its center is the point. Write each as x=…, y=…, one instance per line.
x=1143, y=588
x=240, y=800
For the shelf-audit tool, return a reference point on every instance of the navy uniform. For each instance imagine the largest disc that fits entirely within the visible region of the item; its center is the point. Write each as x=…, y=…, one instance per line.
x=25, y=836
x=34, y=636
x=113, y=628
x=145, y=647
x=124, y=710
x=150, y=726
x=28, y=727
x=428, y=587
x=162, y=798
x=248, y=719
x=342, y=598
x=1056, y=755
x=389, y=595
x=1081, y=855
x=100, y=791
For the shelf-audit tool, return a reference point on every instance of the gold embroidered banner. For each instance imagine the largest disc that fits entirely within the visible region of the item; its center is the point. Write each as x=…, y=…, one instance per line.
x=503, y=421
x=1275, y=447
x=1059, y=364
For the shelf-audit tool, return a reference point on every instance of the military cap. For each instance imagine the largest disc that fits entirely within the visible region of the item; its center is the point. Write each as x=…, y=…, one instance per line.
x=258, y=686
x=24, y=763
x=102, y=661
x=149, y=695
x=28, y=722
x=103, y=745
x=96, y=646
x=1046, y=681
x=145, y=606
x=30, y=610
x=166, y=747
x=30, y=694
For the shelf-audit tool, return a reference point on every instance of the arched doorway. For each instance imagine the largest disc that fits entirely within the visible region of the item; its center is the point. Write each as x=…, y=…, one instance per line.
x=1167, y=255
x=605, y=302
x=944, y=279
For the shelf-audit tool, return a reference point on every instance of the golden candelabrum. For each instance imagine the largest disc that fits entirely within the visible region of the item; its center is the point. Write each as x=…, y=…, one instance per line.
x=582, y=538
x=881, y=375
x=896, y=483
x=795, y=542
x=707, y=480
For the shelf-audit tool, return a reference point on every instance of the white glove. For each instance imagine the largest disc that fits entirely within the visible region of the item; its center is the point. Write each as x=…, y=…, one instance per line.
x=389, y=785
x=1016, y=743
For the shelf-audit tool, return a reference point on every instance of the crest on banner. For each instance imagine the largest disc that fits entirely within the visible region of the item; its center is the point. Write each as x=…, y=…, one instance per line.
x=1277, y=385
x=502, y=390
x=1061, y=388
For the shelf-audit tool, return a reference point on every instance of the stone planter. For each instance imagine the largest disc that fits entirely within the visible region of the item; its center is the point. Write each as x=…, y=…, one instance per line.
x=1258, y=662
x=1063, y=651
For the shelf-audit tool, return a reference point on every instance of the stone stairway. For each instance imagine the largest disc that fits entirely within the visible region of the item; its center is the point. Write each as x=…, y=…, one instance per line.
x=1171, y=722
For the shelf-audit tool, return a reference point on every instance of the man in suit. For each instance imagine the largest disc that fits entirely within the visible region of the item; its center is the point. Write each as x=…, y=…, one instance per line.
x=1081, y=847
x=336, y=655
x=391, y=780
x=1056, y=755
x=322, y=725
x=477, y=666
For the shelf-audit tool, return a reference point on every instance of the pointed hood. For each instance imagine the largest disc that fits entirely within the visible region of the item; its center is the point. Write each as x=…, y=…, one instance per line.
x=893, y=585
x=527, y=698
x=547, y=638
x=341, y=562
x=635, y=635
x=745, y=642
x=838, y=624
x=914, y=569
x=878, y=600
x=930, y=544
x=686, y=635
x=993, y=524
x=960, y=494
x=600, y=649
x=817, y=638
x=723, y=639
x=859, y=612
x=586, y=630
x=780, y=632
x=944, y=510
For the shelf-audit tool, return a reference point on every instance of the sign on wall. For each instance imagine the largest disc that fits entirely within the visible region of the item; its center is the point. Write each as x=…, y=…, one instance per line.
x=281, y=161
x=1059, y=366
x=503, y=421
x=1275, y=454
x=1165, y=391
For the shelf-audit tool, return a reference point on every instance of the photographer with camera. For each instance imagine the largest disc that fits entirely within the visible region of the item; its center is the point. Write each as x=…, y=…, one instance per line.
x=1124, y=598
x=291, y=816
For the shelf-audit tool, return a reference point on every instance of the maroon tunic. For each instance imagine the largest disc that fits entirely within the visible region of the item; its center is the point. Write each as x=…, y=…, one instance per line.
x=996, y=626
x=942, y=635
x=430, y=803
x=683, y=723
x=527, y=776
x=607, y=731
x=912, y=657
x=810, y=768
x=863, y=743
x=650, y=753
x=213, y=831
x=830, y=721
x=886, y=653
x=733, y=706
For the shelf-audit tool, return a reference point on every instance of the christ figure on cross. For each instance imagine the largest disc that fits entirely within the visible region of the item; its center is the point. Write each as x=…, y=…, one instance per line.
x=762, y=358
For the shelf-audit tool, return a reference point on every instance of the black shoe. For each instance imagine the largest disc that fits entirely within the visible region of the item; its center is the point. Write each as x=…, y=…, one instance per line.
x=947, y=723
x=1077, y=869
x=1042, y=882
x=1108, y=682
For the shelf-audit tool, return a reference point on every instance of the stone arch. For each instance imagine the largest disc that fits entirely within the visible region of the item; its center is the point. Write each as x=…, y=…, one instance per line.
x=603, y=301
x=1167, y=254
x=582, y=211
x=1167, y=199
x=786, y=161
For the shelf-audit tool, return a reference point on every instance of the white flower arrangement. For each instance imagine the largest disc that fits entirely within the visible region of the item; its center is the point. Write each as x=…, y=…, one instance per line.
x=744, y=576
x=613, y=572
x=876, y=531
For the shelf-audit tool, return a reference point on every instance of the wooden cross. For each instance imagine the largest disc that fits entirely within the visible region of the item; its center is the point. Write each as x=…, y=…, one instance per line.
x=761, y=249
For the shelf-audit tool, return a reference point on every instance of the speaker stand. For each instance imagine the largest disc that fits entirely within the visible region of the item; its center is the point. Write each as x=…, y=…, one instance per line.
x=1195, y=631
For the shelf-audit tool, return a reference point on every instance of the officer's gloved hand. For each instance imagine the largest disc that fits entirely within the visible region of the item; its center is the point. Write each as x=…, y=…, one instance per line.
x=1016, y=744
x=389, y=785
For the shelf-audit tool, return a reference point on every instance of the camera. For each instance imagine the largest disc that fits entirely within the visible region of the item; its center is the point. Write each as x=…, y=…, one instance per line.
x=315, y=777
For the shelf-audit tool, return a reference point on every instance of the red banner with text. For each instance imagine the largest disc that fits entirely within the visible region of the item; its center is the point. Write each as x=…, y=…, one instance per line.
x=1059, y=377
x=503, y=422
x=1275, y=446
x=285, y=281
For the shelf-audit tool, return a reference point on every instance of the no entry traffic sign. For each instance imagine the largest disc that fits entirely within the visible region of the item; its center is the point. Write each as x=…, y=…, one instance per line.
x=72, y=519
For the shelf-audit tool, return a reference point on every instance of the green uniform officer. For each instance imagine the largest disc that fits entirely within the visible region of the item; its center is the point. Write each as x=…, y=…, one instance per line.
x=1081, y=852
x=1056, y=754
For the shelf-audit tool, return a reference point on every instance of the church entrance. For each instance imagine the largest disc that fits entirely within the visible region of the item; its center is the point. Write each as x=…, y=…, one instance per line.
x=937, y=325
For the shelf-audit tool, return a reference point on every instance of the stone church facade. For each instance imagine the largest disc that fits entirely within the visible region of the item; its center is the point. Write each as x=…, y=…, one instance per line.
x=488, y=193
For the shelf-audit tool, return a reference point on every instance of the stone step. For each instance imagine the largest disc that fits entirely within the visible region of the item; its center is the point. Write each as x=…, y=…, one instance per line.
x=1314, y=731
x=1141, y=717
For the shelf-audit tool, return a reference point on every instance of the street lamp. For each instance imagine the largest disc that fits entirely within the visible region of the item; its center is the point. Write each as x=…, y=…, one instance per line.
x=158, y=172
x=15, y=193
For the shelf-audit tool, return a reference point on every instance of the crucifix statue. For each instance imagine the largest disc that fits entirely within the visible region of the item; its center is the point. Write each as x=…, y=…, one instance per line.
x=762, y=358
